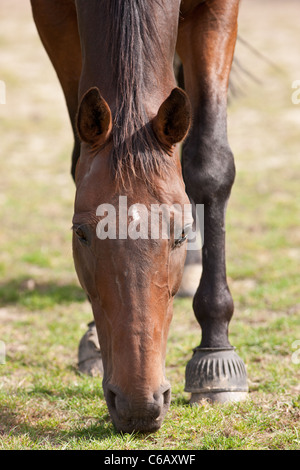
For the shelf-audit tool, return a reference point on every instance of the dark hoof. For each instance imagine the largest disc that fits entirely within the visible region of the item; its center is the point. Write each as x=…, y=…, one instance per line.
x=217, y=375
x=89, y=354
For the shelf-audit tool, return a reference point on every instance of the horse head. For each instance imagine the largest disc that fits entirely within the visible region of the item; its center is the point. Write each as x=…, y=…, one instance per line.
x=129, y=254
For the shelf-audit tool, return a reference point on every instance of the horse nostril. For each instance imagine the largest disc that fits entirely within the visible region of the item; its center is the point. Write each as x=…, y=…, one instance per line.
x=111, y=399
x=162, y=398
x=167, y=396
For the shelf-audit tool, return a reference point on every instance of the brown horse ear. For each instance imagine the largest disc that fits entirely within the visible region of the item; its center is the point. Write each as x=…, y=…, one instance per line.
x=94, y=122
x=173, y=120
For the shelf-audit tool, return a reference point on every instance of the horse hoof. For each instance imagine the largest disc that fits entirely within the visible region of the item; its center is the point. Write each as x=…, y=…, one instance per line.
x=216, y=375
x=89, y=354
x=190, y=280
x=217, y=397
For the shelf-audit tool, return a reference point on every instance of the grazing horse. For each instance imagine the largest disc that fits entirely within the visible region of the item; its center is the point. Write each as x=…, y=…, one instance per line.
x=114, y=60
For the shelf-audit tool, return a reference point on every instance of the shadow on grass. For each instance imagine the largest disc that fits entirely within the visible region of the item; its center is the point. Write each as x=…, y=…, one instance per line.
x=42, y=435
x=180, y=401
x=35, y=296
x=65, y=425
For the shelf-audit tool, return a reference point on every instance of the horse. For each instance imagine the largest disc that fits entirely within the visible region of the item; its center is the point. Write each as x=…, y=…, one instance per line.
x=140, y=138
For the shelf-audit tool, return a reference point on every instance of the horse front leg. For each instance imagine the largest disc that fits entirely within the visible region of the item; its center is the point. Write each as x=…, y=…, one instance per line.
x=56, y=22
x=206, y=41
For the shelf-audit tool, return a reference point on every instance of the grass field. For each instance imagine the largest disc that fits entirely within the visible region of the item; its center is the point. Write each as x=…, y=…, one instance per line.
x=44, y=402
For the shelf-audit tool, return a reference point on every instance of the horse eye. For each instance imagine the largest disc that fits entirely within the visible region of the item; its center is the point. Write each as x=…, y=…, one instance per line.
x=184, y=235
x=81, y=235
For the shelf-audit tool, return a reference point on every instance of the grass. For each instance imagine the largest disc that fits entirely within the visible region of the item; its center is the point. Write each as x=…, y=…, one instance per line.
x=44, y=402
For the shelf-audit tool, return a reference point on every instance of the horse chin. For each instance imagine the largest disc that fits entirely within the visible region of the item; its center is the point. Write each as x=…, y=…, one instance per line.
x=139, y=426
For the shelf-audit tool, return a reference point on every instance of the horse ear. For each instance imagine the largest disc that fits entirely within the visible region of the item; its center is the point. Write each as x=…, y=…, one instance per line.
x=94, y=122
x=173, y=120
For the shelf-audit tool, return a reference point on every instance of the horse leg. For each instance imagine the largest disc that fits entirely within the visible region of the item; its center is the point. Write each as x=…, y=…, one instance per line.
x=206, y=41
x=193, y=263
x=56, y=22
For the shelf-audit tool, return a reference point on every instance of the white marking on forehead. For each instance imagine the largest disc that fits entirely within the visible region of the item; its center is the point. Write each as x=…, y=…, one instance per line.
x=135, y=213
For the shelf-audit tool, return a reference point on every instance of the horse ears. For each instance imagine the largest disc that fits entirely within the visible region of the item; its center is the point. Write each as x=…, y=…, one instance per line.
x=94, y=121
x=171, y=124
x=173, y=120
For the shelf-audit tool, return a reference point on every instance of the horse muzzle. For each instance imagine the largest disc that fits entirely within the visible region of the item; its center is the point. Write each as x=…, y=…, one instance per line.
x=137, y=414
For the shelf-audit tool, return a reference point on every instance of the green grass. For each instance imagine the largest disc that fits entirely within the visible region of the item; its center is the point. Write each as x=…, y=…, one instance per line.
x=44, y=402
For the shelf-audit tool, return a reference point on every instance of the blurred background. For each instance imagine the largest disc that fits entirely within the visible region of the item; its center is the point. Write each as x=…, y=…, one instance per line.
x=263, y=230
